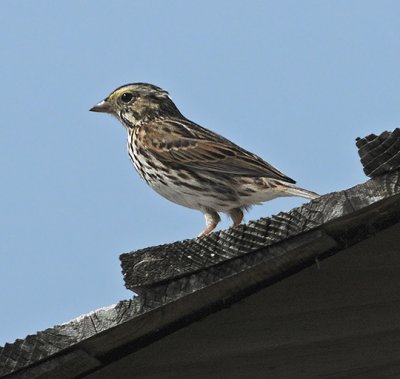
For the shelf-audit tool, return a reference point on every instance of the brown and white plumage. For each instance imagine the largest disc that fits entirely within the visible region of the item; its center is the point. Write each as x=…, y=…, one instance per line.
x=192, y=146
x=191, y=165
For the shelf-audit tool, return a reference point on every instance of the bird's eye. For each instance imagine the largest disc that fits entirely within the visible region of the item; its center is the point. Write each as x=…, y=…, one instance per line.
x=126, y=97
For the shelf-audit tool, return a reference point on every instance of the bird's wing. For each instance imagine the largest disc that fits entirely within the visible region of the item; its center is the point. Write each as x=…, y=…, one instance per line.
x=189, y=145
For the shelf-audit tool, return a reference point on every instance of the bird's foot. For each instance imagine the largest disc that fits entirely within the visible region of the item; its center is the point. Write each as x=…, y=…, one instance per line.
x=212, y=220
x=236, y=215
x=208, y=230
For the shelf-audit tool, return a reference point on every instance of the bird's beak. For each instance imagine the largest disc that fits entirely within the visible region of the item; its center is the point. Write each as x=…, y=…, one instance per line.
x=104, y=107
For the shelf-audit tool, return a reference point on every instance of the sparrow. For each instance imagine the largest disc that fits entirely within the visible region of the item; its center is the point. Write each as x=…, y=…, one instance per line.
x=189, y=164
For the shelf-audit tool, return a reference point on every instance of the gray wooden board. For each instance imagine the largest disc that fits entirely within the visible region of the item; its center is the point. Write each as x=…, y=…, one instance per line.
x=339, y=321
x=182, y=282
x=115, y=331
x=152, y=265
x=102, y=332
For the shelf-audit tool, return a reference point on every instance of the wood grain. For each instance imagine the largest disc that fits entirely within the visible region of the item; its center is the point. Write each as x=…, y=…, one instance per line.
x=184, y=281
x=154, y=265
x=380, y=154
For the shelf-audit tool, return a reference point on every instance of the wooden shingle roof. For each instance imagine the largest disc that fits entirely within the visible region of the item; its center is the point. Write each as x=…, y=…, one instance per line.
x=182, y=282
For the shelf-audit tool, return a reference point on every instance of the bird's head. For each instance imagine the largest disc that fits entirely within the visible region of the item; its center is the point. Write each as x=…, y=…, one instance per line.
x=135, y=103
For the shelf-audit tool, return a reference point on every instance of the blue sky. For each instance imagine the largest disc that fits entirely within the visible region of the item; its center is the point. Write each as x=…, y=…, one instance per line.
x=293, y=81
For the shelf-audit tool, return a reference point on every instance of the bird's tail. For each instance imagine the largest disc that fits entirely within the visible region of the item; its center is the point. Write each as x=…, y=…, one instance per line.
x=293, y=190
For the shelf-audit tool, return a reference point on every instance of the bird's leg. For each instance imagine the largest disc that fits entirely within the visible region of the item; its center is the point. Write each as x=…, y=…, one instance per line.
x=212, y=220
x=236, y=215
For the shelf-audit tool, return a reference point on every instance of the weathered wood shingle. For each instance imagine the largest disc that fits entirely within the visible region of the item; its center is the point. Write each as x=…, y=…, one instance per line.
x=181, y=282
x=380, y=154
x=151, y=266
